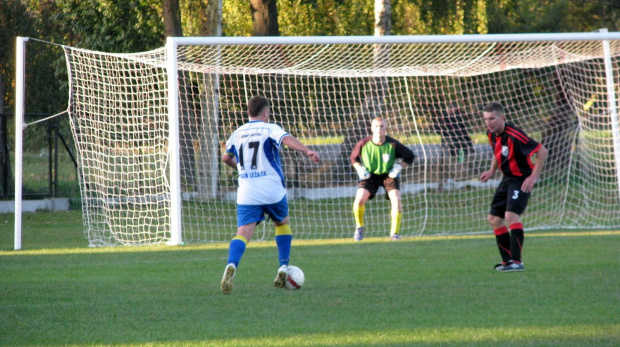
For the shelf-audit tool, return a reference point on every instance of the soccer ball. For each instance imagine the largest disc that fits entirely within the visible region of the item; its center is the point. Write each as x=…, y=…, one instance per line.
x=295, y=278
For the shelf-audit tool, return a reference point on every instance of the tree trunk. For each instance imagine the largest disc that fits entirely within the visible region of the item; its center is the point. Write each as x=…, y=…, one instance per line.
x=172, y=18
x=376, y=93
x=265, y=17
x=209, y=123
x=212, y=25
x=383, y=17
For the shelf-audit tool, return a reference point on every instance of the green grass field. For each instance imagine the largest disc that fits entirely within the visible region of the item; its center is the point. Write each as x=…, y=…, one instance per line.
x=428, y=291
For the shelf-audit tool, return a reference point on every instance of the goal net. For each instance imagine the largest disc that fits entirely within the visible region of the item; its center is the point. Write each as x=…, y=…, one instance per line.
x=150, y=147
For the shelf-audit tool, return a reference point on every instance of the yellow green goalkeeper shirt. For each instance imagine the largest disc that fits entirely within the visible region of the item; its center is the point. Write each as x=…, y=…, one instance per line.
x=379, y=159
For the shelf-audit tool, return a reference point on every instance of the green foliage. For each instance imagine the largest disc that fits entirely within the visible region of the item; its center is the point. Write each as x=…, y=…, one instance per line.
x=236, y=18
x=305, y=18
x=195, y=17
x=59, y=292
x=94, y=24
x=14, y=21
x=439, y=17
x=546, y=16
x=136, y=25
x=590, y=15
x=419, y=17
x=328, y=17
x=110, y=26
x=475, y=19
x=353, y=18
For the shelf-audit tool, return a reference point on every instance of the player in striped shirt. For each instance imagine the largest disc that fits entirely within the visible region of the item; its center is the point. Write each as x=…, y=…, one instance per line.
x=512, y=155
x=253, y=149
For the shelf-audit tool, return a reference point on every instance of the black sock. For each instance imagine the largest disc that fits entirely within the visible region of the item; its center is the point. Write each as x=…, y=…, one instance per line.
x=516, y=244
x=502, y=236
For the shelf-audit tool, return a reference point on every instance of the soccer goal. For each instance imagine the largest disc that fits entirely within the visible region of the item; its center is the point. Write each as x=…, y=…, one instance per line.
x=149, y=129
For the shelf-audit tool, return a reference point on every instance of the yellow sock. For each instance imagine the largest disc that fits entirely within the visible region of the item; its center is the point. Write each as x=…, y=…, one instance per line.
x=284, y=237
x=358, y=213
x=242, y=238
x=396, y=218
x=284, y=230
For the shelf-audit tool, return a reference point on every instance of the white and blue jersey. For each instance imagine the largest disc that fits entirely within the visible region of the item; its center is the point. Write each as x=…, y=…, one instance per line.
x=256, y=146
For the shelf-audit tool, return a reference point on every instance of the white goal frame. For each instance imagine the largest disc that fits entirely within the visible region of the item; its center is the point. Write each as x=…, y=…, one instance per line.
x=171, y=67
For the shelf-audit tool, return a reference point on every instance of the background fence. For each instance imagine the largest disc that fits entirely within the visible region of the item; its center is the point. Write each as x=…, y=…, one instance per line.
x=49, y=160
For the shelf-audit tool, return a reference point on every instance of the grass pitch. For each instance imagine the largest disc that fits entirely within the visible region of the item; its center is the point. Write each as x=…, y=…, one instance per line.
x=428, y=291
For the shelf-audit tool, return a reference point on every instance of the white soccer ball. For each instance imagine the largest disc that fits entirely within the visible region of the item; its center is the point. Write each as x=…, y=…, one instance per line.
x=295, y=278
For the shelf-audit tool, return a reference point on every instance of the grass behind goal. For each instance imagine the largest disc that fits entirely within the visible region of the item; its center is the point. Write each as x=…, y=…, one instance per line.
x=421, y=291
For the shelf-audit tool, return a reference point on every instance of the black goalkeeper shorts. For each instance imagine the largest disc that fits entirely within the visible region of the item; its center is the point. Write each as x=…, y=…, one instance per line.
x=375, y=181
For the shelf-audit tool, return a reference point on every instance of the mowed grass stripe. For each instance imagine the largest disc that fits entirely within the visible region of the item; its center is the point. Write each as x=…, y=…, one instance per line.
x=270, y=243
x=433, y=291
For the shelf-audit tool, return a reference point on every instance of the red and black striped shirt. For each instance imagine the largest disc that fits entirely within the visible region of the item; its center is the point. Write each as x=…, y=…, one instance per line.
x=513, y=150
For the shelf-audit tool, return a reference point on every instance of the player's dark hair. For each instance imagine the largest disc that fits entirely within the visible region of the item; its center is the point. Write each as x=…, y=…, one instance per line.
x=256, y=105
x=494, y=107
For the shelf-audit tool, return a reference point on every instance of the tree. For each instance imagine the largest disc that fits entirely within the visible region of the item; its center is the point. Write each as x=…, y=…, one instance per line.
x=383, y=17
x=583, y=15
x=14, y=21
x=201, y=17
x=326, y=17
x=544, y=16
x=383, y=26
x=119, y=26
x=172, y=18
x=445, y=17
x=265, y=17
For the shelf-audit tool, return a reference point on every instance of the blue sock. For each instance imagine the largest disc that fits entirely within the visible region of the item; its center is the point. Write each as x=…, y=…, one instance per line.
x=284, y=248
x=236, y=250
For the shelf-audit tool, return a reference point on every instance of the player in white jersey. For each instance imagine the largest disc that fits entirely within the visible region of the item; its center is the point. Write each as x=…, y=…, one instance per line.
x=253, y=149
x=255, y=146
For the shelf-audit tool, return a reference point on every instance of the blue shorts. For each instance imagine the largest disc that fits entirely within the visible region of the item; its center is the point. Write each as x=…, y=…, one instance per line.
x=247, y=214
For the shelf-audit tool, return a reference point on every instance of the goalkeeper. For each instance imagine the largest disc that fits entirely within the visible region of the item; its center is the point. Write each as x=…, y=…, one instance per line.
x=375, y=160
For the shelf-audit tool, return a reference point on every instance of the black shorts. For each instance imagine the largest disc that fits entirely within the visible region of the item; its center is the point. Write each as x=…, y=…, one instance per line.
x=375, y=181
x=509, y=197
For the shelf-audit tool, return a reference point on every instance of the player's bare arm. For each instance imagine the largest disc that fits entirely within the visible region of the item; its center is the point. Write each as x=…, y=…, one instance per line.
x=489, y=173
x=230, y=161
x=293, y=143
x=530, y=181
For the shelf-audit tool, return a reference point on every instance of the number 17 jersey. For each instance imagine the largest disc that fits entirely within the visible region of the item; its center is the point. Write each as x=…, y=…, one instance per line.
x=256, y=147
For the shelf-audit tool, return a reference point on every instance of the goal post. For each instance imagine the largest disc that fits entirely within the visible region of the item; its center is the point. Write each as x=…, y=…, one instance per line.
x=173, y=145
x=612, y=103
x=20, y=89
x=149, y=129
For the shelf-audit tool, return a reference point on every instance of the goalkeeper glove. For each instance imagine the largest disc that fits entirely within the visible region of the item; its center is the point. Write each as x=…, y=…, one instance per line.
x=395, y=170
x=363, y=173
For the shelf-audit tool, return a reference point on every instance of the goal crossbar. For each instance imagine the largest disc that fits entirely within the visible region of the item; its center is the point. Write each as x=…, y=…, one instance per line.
x=401, y=39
